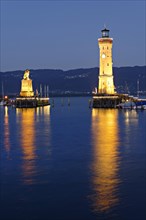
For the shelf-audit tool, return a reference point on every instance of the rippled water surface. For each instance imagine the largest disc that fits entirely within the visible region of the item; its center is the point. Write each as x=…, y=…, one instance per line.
x=72, y=163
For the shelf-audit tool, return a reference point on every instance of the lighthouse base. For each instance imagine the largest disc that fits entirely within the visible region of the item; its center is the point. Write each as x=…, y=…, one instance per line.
x=108, y=101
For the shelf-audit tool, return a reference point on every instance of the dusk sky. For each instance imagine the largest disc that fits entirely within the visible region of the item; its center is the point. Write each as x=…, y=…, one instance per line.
x=63, y=34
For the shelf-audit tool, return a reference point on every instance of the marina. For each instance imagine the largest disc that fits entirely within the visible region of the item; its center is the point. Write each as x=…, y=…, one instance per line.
x=72, y=162
x=72, y=110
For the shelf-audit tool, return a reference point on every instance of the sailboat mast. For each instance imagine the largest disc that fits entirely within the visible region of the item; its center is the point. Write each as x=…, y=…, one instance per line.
x=47, y=91
x=44, y=90
x=40, y=90
x=137, y=88
x=2, y=91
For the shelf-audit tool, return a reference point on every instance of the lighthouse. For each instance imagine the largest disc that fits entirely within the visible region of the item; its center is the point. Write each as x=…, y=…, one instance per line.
x=105, y=96
x=106, y=79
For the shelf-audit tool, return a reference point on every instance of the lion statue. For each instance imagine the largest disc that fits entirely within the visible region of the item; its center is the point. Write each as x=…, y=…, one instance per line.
x=26, y=74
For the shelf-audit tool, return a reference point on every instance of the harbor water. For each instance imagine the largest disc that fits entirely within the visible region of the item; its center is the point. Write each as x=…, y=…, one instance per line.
x=71, y=162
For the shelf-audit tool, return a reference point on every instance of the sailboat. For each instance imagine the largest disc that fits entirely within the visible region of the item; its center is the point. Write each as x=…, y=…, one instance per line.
x=134, y=102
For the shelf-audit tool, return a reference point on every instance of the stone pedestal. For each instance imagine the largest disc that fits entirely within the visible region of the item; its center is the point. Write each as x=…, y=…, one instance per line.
x=108, y=101
x=26, y=88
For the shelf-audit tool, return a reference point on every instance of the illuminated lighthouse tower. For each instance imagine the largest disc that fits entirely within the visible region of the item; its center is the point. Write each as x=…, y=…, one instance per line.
x=106, y=82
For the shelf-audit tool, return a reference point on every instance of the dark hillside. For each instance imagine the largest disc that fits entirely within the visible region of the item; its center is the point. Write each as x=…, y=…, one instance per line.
x=76, y=80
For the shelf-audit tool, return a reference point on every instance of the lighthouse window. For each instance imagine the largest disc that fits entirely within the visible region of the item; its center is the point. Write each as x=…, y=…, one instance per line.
x=107, y=64
x=103, y=48
x=107, y=48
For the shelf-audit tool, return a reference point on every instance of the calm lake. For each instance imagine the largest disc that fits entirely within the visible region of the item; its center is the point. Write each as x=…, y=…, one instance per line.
x=72, y=163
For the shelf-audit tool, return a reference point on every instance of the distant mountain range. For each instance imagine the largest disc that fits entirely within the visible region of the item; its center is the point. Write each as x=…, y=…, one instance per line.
x=75, y=81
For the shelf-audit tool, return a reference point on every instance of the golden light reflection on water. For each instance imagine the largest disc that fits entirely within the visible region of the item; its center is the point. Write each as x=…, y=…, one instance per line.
x=28, y=119
x=105, y=165
x=27, y=139
x=6, y=130
x=43, y=110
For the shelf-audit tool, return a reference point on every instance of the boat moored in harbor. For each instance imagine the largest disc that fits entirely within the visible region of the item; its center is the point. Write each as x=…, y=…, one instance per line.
x=133, y=103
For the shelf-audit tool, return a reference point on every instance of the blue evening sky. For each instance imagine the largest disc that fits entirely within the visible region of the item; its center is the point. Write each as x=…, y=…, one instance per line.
x=63, y=34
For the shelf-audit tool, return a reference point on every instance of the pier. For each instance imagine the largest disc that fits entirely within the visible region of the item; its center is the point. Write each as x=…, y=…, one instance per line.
x=32, y=102
x=108, y=101
x=121, y=101
x=27, y=99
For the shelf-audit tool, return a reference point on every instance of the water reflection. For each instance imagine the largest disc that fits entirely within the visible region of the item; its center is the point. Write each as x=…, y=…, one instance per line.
x=131, y=117
x=130, y=123
x=29, y=132
x=43, y=117
x=6, y=131
x=27, y=139
x=43, y=110
x=105, y=159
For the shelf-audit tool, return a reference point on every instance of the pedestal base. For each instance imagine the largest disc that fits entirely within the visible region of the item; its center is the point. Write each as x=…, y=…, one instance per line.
x=26, y=94
x=26, y=88
x=107, y=101
x=26, y=102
